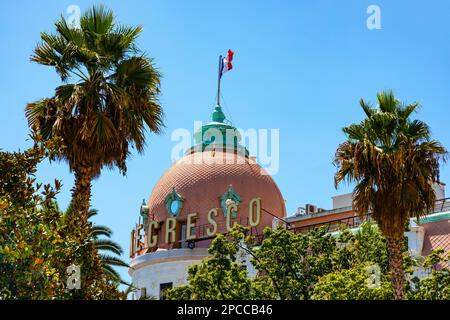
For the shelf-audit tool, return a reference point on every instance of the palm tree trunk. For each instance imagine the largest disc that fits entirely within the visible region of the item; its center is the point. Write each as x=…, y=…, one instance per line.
x=81, y=198
x=395, y=244
x=86, y=257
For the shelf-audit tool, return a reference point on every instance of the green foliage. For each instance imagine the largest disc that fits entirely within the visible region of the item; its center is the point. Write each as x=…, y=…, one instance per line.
x=217, y=277
x=31, y=233
x=433, y=260
x=293, y=262
x=434, y=287
x=36, y=245
x=394, y=162
x=437, y=285
x=367, y=245
x=109, y=92
x=353, y=284
x=313, y=265
x=103, y=245
x=288, y=265
x=106, y=102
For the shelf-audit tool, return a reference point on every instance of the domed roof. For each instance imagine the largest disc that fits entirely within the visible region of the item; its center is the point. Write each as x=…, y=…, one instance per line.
x=214, y=172
x=201, y=178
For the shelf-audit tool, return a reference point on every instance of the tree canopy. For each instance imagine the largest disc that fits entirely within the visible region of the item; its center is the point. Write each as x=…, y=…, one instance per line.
x=394, y=163
x=36, y=245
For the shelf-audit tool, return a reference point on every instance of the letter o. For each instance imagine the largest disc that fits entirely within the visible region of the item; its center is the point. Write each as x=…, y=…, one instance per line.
x=254, y=221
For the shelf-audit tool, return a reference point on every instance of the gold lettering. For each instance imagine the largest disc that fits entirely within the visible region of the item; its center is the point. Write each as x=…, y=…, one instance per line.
x=212, y=230
x=132, y=251
x=152, y=239
x=190, y=225
x=230, y=210
x=171, y=223
x=254, y=221
x=139, y=244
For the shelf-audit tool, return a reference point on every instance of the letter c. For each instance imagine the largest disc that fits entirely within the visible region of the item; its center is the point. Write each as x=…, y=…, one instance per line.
x=230, y=210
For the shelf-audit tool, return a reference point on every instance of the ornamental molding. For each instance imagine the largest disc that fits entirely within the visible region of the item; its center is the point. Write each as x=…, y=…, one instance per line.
x=174, y=203
x=228, y=198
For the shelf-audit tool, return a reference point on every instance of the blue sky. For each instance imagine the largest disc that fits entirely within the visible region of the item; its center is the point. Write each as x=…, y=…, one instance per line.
x=299, y=66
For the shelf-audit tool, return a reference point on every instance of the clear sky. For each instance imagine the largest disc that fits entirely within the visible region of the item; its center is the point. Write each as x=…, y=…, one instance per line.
x=299, y=66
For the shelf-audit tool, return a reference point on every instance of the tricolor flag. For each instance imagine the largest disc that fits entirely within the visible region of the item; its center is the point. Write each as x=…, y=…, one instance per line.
x=225, y=63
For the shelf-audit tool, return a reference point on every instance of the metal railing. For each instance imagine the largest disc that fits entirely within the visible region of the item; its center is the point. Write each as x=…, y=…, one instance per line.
x=294, y=218
x=201, y=230
x=333, y=225
x=441, y=205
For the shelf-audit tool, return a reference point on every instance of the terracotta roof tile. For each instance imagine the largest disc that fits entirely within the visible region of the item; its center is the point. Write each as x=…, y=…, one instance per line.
x=437, y=235
x=202, y=178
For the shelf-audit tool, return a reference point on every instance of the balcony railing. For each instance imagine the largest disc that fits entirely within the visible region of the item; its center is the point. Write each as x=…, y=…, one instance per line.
x=333, y=225
x=441, y=205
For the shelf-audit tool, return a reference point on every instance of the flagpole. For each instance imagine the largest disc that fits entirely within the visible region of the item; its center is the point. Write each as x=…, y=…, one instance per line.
x=218, y=82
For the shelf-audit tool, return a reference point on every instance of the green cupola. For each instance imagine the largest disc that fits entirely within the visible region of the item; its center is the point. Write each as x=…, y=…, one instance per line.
x=217, y=115
x=219, y=134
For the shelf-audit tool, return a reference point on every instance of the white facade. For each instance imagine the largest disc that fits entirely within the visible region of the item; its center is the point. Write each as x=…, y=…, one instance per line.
x=439, y=189
x=345, y=200
x=151, y=270
x=415, y=236
x=342, y=200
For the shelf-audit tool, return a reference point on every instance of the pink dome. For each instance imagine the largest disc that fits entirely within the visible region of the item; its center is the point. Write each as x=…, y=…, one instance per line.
x=201, y=178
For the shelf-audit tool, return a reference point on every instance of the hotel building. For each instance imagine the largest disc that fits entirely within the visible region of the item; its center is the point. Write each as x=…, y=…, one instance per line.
x=216, y=184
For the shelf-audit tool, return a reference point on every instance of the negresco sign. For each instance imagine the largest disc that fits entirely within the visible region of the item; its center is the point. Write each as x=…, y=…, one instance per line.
x=154, y=229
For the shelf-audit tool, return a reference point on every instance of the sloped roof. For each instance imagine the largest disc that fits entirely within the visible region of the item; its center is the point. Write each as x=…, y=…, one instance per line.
x=437, y=235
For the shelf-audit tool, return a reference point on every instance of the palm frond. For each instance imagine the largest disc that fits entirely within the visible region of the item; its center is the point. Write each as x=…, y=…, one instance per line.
x=92, y=212
x=108, y=245
x=97, y=21
x=393, y=161
x=109, y=99
x=113, y=261
x=98, y=230
x=109, y=270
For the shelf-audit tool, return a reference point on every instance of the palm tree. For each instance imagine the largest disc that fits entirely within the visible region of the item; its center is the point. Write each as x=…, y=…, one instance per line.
x=107, y=102
x=108, y=262
x=394, y=162
x=107, y=245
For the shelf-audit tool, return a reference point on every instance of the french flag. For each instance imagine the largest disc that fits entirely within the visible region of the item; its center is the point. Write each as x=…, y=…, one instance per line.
x=225, y=63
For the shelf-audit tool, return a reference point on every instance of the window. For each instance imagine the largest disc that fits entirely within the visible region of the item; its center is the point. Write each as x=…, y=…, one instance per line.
x=163, y=287
x=174, y=203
